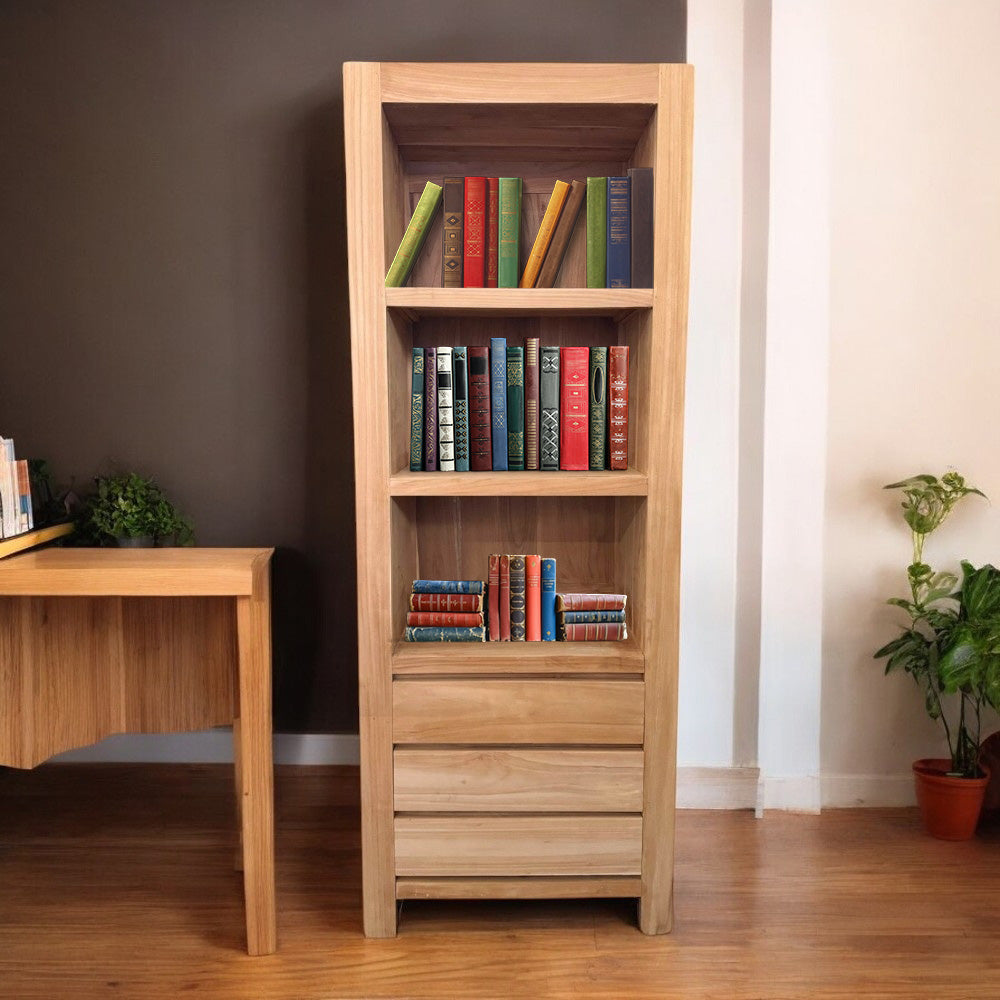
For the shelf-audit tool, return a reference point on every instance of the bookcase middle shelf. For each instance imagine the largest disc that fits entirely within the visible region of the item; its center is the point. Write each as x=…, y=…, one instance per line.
x=615, y=303
x=630, y=483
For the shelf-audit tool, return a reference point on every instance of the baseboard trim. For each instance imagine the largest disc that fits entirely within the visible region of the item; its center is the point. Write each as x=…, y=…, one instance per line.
x=717, y=787
x=853, y=791
x=789, y=793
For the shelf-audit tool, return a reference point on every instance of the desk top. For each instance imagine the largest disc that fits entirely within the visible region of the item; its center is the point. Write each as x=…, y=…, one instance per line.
x=173, y=572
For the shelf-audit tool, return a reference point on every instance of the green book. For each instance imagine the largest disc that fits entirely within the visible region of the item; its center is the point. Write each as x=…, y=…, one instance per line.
x=413, y=239
x=597, y=231
x=509, y=227
x=598, y=408
x=515, y=408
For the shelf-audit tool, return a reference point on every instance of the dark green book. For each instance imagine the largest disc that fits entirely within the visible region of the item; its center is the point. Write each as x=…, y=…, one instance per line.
x=597, y=231
x=417, y=411
x=509, y=226
x=515, y=408
x=598, y=408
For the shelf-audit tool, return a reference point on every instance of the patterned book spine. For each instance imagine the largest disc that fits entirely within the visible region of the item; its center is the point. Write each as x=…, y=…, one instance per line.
x=498, y=401
x=461, y=393
x=518, y=619
x=574, y=425
x=531, y=398
x=24, y=491
x=446, y=410
x=417, y=411
x=641, y=219
x=493, y=590
x=549, y=221
x=598, y=408
x=447, y=587
x=474, y=233
x=430, y=410
x=619, y=240
x=590, y=602
x=452, y=618
x=444, y=633
x=492, y=230
x=592, y=617
x=505, y=598
x=618, y=407
x=592, y=633
x=561, y=237
x=414, y=237
x=548, y=401
x=509, y=240
x=548, y=600
x=446, y=602
x=480, y=423
x=515, y=408
x=597, y=232
x=451, y=247
x=533, y=598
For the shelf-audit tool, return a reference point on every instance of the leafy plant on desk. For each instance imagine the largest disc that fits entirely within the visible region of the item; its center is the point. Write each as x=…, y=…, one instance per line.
x=132, y=506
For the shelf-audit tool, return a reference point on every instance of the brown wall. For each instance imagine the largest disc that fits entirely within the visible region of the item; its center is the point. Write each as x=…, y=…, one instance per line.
x=173, y=291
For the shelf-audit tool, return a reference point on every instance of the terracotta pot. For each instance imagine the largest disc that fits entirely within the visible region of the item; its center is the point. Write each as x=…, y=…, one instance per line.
x=949, y=806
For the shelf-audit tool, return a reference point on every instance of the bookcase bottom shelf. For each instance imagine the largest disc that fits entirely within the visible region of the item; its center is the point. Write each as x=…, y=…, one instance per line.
x=523, y=887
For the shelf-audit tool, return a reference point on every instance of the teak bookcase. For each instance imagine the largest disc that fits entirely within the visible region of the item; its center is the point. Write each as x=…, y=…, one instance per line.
x=516, y=770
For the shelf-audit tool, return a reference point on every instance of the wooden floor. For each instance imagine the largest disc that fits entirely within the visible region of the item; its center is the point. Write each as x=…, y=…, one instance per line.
x=117, y=881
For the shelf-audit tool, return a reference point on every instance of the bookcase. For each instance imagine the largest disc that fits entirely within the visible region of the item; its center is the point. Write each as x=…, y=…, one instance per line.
x=516, y=770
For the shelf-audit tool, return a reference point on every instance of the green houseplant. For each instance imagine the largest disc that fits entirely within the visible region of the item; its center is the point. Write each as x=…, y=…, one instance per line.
x=134, y=511
x=951, y=648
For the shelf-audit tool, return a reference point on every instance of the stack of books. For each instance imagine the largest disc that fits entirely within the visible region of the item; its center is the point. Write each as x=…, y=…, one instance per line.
x=522, y=598
x=587, y=617
x=16, y=514
x=446, y=611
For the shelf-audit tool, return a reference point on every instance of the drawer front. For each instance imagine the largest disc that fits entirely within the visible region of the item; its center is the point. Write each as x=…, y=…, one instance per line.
x=574, y=710
x=517, y=780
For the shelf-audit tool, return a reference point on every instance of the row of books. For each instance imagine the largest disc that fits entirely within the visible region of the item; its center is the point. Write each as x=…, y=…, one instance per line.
x=16, y=515
x=536, y=407
x=517, y=603
x=481, y=248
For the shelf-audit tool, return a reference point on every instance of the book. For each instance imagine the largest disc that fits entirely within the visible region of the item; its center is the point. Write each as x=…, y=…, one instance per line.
x=415, y=236
x=430, y=410
x=509, y=229
x=447, y=587
x=531, y=399
x=480, y=423
x=548, y=600
x=597, y=231
x=453, y=198
x=590, y=602
x=445, y=633
x=464, y=619
x=446, y=602
x=515, y=408
x=474, y=233
x=591, y=633
x=498, y=401
x=641, y=226
x=446, y=410
x=574, y=424
x=493, y=591
x=548, y=402
x=505, y=598
x=533, y=598
x=518, y=605
x=593, y=617
x=492, y=230
x=618, y=407
x=619, y=241
x=545, y=230
x=461, y=393
x=417, y=411
x=598, y=406
x=561, y=236
x=24, y=492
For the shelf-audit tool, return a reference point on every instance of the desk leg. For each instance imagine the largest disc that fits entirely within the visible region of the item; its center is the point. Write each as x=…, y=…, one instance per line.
x=255, y=765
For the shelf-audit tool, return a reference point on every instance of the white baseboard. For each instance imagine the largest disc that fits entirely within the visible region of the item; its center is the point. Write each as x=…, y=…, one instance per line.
x=717, y=787
x=851, y=791
x=790, y=793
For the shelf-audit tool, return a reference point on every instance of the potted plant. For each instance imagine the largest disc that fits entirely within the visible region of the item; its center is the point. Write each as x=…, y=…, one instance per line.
x=134, y=511
x=951, y=648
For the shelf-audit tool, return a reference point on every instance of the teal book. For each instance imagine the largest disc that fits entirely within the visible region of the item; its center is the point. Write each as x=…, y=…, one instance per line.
x=445, y=633
x=515, y=408
x=417, y=411
x=590, y=617
x=448, y=587
x=509, y=226
x=548, y=600
x=597, y=231
x=498, y=401
x=461, y=393
x=415, y=236
x=598, y=408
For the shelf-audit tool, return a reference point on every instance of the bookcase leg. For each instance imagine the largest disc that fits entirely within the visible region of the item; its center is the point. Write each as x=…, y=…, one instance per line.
x=238, y=785
x=656, y=912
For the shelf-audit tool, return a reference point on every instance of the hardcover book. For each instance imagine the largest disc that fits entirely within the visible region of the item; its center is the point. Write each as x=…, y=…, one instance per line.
x=641, y=220
x=561, y=236
x=461, y=394
x=591, y=633
x=505, y=598
x=498, y=401
x=515, y=408
x=549, y=220
x=451, y=246
x=531, y=400
x=533, y=598
x=447, y=587
x=446, y=602
x=492, y=230
x=590, y=602
x=618, y=407
x=574, y=423
x=619, y=234
x=548, y=600
x=548, y=401
x=430, y=410
x=480, y=423
x=597, y=232
x=445, y=633
x=451, y=618
x=598, y=408
x=509, y=239
x=446, y=411
x=417, y=411
x=493, y=590
x=474, y=233
x=591, y=617
x=518, y=605
x=415, y=236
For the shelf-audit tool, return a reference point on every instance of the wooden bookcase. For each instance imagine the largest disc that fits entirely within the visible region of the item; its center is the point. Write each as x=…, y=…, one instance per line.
x=525, y=770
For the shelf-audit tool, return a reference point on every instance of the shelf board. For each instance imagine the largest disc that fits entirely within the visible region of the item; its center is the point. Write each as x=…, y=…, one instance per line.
x=411, y=659
x=630, y=483
x=614, y=302
x=31, y=539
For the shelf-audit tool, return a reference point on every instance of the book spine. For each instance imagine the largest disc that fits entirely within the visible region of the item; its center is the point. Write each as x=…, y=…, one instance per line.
x=561, y=236
x=509, y=240
x=417, y=411
x=446, y=602
x=574, y=425
x=548, y=600
x=593, y=617
x=430, y=410
x=531, y=400
x=549, y=221
x=597, y=232
x=446, y=410
x=533, y=598
x=548, y=402
x=447, y=587
x=498, y=401
x=444, y=633
x=461, y=394
x=590, y=602
x=450, y=618
x=618, y=407
x=518, y=608
x=480, y=433
x=415, y=236
x=515, y=408
x=451, y=246
x=474, y=233
x=492, y=230
x=505, y=598
x=641, y=223
x=598, y=408
x=24, y=488
x=619, y=240
x=592, y=633
x=493, y=590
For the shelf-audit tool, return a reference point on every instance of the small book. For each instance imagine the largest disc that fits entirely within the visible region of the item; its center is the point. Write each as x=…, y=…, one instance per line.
x=619, y=243
x=561, y=237
x=498, y=401
x=446, y=410
x=597, y=232
x=415, y=236
x=445, y=633
x=492, y=230
x=592, y=633
x=590, y=602
x=515, y=408
x=641, y=224
x=430, y=410
x=548, y=402
x=518, y=605
x=574, y=422
x=509, y=239
x=474, y=234
x=461, y=394
x=446, y=602
x=480, y=424
x=548, y=600
x=505, y=598
x=549, y=220
x=592, y=617
x=533, y=598
x=463, y=619
x=448, y=587
x=451, y=240
x=598, y=404
x=531, y=400
x=417, y=411
x=493, y=590
x=618, y=407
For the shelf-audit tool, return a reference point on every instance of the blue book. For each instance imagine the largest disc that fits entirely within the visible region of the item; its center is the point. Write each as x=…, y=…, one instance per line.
x=619, y=266
x=417, y=412
x=592, y=617
x=461, y=383
x=444, y=633
x=548, y=600
x=448, y=587
x=498, y=401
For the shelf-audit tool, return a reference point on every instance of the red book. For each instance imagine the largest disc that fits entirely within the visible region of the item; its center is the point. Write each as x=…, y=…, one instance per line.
x=505, y=598
x=493, y=592
x=480, y=428
x=492, y=230
x=533, y=597
x=446, y=602
x=465, y=619
x=590, y=602
x=590, y=632
x=574, y=413
x=474, y=234
x=531, y=411
x=618, y=407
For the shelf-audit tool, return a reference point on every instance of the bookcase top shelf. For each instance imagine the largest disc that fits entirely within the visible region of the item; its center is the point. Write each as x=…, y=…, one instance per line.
x=630, y=483
x=616, y=303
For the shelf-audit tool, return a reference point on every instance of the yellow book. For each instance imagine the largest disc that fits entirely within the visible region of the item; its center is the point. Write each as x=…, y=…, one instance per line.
x=545, y=231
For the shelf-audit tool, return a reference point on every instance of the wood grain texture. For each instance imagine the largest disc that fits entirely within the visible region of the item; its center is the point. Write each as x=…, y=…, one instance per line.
x=561, y=484
x=611, y=302
x=521, y=887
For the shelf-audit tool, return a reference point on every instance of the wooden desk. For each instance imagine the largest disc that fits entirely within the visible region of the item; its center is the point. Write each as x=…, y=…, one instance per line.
x=102, y=641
